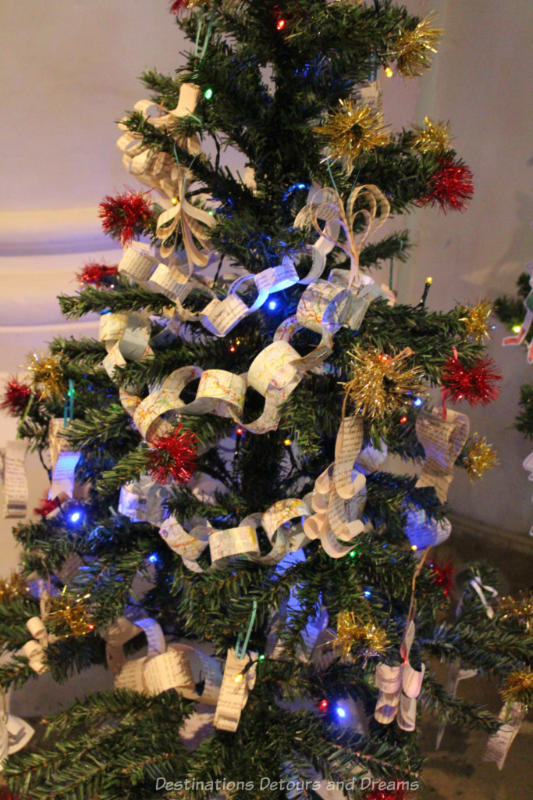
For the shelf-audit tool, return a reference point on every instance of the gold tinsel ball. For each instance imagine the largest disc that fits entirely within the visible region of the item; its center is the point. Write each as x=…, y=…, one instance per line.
x=517, y=609
x=414, y=49
x=432, y=137
x=382, y=383
x=46, y=376
x=70, y=616
x=480, y=457
x=352, y=130
x=517, y=687
x=476, y=320
x=13, y=588
x=371, y=640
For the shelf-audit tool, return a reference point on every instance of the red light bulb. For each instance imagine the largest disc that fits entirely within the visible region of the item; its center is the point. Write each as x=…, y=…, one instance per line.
x=403, y=419
x=323, y=706
x=280, y=24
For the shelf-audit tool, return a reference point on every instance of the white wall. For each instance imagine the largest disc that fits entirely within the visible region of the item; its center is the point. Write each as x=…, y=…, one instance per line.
x=72, y=71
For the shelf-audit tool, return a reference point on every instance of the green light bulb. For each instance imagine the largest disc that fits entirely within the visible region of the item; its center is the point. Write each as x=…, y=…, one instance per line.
x=208, y=94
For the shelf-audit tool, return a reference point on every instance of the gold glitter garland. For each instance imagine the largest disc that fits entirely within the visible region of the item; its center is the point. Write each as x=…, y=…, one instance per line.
x=70, y=614
x=13, y=588
x=432, y=137
x=381, y=383
x=518, y=609
x=352, y=130
x=516, y=685
x=414, y=49
x=480, y=457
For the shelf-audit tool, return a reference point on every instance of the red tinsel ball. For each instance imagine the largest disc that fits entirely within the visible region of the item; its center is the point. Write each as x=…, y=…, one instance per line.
x=125, y=215
x=97, y=274
x=474, y=384
x=16, y=396
x=46, y=506
x=451, y=186
x=174, y=456
x=443, y=576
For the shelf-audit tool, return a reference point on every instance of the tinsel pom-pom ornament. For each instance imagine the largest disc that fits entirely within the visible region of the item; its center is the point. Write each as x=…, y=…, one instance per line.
x=46, y=376
x=451, y=186
x=13, y=589
x=432, y=137
x=352, y=130
x=16, y=396
x=45, y=507
x=480, y=457
x=476, y=320
x=442, y=575
x=518, y=610
x=414, y=49
x=382, y=383
x=475, y=384
x=370, y=640
x=174, y=456
x=125, y=216
x=98, y=275
x=69, y=616
x=517, y=687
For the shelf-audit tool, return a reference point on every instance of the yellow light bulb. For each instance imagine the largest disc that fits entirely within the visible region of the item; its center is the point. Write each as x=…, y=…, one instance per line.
x=239, y=677
x=429, y=280
x=516, y=328
x=388, y=72
x=287, y=442
x=174, y=201
x=414, y=547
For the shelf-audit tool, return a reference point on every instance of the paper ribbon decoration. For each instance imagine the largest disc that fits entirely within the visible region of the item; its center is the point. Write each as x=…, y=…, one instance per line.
x=242, y=540
x=125, y=335
x=192, y=673
x=159, y=170
x=338, y=499
x=15, y=733
x=143, y=500
x=63, y=461
x=455, y=675
x=15, y=492
x=236, y=686
x=480, y=588
x=35, y=649
x=442, y=440
x=511, y=716
x=399, y=687
x=327, y=205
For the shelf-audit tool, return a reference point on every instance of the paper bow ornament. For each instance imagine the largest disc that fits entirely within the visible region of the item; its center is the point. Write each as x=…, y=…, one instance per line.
x=481, y=590
x=399, y=687
x=327, y=205
x=338, y=499
x=511, y=716
x=193, y=222
x=236, y=686
x=442, y=440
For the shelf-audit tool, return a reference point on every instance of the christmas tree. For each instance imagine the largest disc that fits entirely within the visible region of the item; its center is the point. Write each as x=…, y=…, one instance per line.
x=222, y=530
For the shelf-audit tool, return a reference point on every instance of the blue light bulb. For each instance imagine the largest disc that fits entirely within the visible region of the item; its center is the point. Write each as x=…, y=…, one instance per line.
x=75, y=516
x=367, y=593
x=272, y=305
x=340, y=712
x=153, y=558
x=417, y=402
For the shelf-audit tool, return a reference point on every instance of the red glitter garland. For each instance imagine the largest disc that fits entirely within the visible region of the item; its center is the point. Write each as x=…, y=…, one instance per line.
x=174, y=456
x=125, y=215
x=98, y=275
x=16, y=396
x=46, y=506
x=474, y=384
x=451, y=186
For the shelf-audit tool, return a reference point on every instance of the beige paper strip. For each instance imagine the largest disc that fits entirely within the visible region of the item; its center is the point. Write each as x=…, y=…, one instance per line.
x=442, y=440
x=15, y=490
x=234, y=694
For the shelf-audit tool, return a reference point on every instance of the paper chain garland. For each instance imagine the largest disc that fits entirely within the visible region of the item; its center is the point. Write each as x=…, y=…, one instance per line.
x=399, y=687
